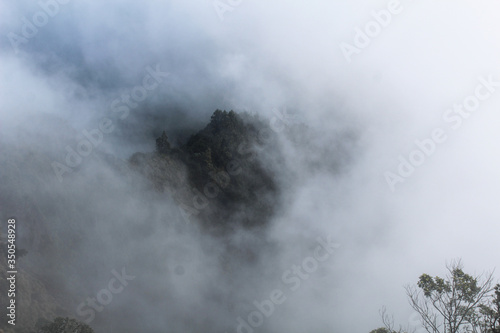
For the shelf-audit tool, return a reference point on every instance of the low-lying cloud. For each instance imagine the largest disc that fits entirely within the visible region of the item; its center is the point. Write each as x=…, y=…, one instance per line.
x=78, y=67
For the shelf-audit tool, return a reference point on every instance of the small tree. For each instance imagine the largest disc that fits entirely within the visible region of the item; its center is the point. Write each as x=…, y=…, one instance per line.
x=380, y=330
x=451, y=304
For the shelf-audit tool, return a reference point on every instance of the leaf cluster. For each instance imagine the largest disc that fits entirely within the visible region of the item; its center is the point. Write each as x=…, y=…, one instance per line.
x=65, y=325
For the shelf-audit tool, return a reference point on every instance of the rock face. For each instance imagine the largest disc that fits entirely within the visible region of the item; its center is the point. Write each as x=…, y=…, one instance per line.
x=33, y=300
x=216, y=176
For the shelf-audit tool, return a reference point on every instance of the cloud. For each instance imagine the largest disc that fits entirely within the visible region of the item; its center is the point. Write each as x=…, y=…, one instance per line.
x=260, y=57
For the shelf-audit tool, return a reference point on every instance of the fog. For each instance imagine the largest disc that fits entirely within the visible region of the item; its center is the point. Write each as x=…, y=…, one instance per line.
x=365, y=109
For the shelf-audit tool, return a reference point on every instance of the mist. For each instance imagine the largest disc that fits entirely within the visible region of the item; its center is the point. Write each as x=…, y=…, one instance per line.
x=339, y=182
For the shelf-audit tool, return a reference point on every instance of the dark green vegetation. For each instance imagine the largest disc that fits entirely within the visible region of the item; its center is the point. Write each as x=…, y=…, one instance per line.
x=64, y=325
x=456, y=303
x=380, y=330
x=216, y=175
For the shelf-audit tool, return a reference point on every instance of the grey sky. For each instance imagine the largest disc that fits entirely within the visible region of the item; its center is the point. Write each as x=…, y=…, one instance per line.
x=261, y=56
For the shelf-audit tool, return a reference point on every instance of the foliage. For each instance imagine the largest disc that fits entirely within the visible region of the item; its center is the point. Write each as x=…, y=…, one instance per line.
x=380, y=330
x=451, y=304
x=65, y=325
x=227, y=142
x=464, y=287
x=456, y=303
x=490, y=312
x=221, y=137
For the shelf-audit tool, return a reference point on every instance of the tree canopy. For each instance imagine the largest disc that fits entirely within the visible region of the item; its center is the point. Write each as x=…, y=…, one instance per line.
x=456, y=303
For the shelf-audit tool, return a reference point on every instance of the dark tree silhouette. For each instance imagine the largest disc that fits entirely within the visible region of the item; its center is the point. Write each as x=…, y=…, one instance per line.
x=162, y=144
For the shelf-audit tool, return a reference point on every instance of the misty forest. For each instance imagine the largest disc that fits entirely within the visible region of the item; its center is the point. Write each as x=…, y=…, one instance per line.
x=240, y=166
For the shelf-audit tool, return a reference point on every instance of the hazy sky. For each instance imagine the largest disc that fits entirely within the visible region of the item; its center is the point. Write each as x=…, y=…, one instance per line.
x=399, y=85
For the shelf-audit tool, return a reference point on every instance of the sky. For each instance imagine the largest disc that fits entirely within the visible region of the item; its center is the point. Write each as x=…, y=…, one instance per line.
x=424, y=86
